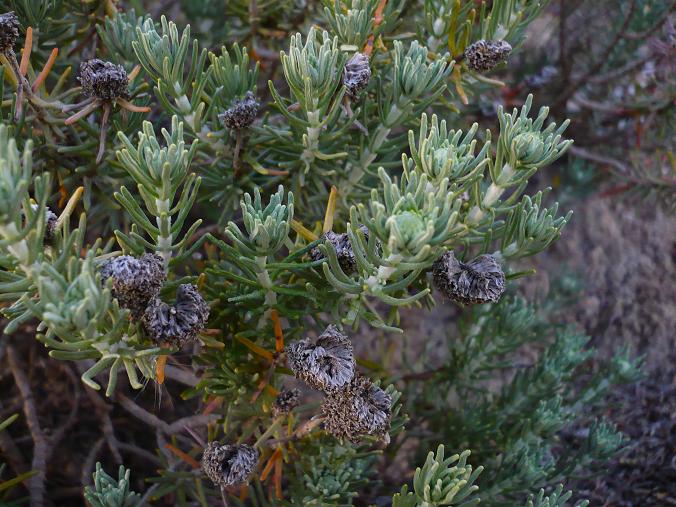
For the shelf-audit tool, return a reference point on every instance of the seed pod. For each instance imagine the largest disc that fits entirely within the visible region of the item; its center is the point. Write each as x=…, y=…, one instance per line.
x=343, y=247
x=135, y=281
x=360, y=408
x=9, y=31
x=356, y=75
x=50, y=221
x=50, y=224
x=479, y=281
x=285, y=402
x=324, y=363
x=229, y=465
x=103, y=80
x=483, y=55
x=241, y=114
x=179, y=323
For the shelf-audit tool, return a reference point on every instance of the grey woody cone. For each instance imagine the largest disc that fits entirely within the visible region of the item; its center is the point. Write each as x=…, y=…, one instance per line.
x=286, y=401
x=103, y=80
x=241, y=114
x=344, y=252
x=135, y=281
x=9, y=31
x=229, y=465
x=356, y=75
x=483, y=55
x=358, y=409
x=479, y=281
x=325, y=363
x=178, y=323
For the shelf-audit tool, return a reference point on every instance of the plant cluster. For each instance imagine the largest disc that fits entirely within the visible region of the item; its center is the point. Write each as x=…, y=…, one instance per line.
x=169, y=210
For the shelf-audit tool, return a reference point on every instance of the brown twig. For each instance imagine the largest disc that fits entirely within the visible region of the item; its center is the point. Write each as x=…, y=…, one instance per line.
x=160, y=425
x=104, y=131
x=600, y=61
x=40, y=443
x=88, y=465
x=103, y=412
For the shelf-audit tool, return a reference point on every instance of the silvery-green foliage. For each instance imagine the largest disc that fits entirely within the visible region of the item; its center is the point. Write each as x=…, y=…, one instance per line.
x=108, y=492
x=159, y=172
x=266, y=228
x=275, y=273
x=556, y=499
x=441, y=481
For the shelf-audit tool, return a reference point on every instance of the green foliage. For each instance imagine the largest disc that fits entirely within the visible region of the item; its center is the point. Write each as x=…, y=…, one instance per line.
x=261, y=219
x=108, y=492
x=441, y=481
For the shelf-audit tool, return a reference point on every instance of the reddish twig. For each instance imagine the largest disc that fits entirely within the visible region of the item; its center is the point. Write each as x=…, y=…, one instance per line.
x=377, y=19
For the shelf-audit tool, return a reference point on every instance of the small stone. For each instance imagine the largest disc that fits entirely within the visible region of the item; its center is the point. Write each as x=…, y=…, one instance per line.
x=479, y=281
x=356, y=75
x=229, y=465
x=135, y=281
x=179, y=323
x=483, y=55
x=9, y=31
x=241, y=114
x=360, y=408
x=285, y=402
x=343, y=247
x=104, y=80
x=325, y=363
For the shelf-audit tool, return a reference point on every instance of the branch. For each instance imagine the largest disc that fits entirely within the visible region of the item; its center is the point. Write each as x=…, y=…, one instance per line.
x=568, y=92
x=40, y=443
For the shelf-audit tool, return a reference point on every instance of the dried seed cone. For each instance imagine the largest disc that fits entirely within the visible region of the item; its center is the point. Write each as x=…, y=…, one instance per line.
x=135, y=281
x=241, y=114
x=50, y=224
x=179, y=323
x=360, y=408
x=229, y=465
x=479, y=281
x=325, y=363
x=103, y=80
x=285, y=402
x=9, y=31
x=50, y=221
x=356, y=75
x=343, y=247
x=483, y=55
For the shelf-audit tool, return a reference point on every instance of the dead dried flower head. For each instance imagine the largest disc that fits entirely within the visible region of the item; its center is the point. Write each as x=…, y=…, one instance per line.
x=360, y=408
x=325, y=363
x=356, y=75
x=344, y=251
x=479, y=281
x=178, y=323
x=241, y=114
x=285, y=402
x=483, y=55
x=135, y=281
x=229, y=465
x=104, y=80
x=9, y=31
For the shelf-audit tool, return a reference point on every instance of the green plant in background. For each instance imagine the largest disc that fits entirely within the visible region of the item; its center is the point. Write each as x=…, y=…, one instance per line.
x=361, y=188
x=108, y=492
